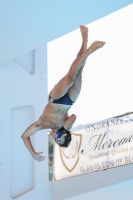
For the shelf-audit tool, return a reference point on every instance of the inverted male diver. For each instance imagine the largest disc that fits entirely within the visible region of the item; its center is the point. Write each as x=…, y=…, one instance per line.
x=61, y=98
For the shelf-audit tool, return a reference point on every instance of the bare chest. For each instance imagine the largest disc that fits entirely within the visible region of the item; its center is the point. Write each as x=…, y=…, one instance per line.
x=54, y=116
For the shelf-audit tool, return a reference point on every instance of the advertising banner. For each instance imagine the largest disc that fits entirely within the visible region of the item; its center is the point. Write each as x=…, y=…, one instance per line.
x=98, y=146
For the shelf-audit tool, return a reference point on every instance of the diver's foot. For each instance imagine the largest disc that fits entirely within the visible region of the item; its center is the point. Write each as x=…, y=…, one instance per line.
x=94, y=46
x=97, y=45
x=84, y=32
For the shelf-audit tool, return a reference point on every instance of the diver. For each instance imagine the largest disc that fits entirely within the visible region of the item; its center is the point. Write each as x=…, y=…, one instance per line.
x=61, y=98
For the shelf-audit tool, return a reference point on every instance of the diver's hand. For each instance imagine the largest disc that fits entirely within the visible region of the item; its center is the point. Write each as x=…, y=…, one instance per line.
x=53, y=134
x=38, y=157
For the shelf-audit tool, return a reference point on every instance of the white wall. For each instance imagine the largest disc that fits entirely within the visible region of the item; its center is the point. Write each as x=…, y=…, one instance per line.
x=119, y=191
x=23, y=96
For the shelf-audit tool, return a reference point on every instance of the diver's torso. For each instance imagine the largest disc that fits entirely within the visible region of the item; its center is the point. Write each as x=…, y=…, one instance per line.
x=54, y=115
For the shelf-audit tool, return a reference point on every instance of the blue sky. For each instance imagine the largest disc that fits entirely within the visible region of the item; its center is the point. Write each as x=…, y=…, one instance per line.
x=26, y=25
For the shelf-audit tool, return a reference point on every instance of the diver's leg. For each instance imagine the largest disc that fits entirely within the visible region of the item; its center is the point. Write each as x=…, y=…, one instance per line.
x=84, y=34
x=77, y=69
x=75, y=89
x=78, y=63
x=62, y=87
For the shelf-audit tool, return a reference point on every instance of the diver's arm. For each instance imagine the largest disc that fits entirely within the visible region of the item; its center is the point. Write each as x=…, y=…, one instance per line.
x=32, y=129
x=69, y=122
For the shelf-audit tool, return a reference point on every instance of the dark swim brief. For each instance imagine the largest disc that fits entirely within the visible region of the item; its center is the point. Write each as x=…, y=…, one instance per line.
x=63, y=100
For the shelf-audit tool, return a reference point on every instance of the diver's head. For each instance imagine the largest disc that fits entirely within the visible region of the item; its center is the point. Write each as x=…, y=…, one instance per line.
x=63, y=137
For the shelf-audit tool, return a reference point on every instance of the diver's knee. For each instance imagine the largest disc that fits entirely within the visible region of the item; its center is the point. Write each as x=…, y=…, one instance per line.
x=71, y=77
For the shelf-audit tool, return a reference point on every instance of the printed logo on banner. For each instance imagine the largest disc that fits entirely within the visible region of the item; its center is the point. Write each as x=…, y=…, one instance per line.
x=71, y=153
